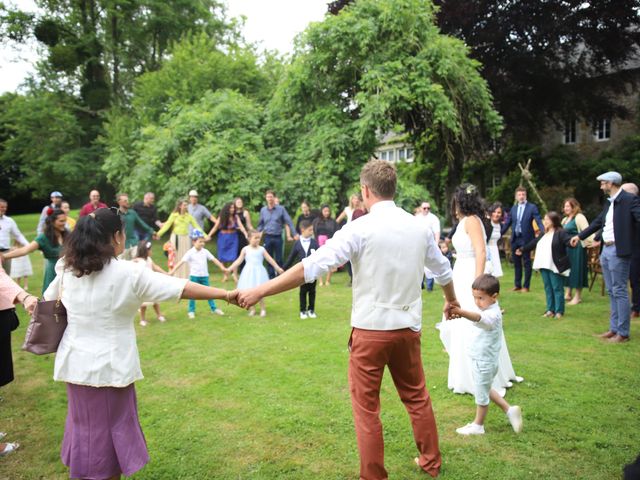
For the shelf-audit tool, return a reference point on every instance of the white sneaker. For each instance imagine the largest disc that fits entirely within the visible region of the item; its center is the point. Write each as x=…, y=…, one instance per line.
x=303, y=315
x=217, y=311
x=144, y=323
x=252, y=312
x=311, y=314
x=263, y=313
x=191, y=315
x=471, y=429
x=514, y=414
x=162, y=319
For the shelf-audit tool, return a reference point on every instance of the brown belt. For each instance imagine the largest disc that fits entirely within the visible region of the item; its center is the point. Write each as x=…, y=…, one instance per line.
x=608, y=244
x=228, y=231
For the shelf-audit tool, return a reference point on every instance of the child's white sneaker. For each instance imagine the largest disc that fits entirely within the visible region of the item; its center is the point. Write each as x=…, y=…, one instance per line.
x=217, y=311
x=143, y=323
x=471, y=429
x=191, y=315
x=263, y=313
x=303, y=315
x=252, y=312
x=514, y=414
x=162, y=319
x=312, y=314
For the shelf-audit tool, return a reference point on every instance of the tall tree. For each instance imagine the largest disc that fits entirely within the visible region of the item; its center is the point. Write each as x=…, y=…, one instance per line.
x=379, y=65
x=546, y=59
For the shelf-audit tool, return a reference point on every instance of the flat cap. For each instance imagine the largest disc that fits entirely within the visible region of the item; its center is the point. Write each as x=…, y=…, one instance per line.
x=613, y=177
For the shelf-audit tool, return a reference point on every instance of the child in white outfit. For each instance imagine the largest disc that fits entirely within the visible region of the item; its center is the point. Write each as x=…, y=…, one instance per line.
x=197, y=258
x=484, y=352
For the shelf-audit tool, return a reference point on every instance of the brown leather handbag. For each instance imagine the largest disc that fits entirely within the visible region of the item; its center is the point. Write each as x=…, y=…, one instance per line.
x=47, y=325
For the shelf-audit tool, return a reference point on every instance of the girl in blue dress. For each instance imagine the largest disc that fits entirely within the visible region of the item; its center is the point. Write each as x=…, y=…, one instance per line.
x=254, y=273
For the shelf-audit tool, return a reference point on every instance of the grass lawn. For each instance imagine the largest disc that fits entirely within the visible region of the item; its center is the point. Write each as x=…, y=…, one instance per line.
x=236, y=397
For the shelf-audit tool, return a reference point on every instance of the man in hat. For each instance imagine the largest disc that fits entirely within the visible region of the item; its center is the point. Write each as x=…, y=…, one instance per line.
x=619, y=222
x=56, y=201
x=198, y=211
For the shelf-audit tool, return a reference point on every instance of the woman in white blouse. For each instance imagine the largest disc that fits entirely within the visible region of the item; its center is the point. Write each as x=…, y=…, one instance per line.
x=98, y=356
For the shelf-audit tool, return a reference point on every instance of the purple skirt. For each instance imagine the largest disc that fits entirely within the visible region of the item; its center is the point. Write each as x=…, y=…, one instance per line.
x=102, y=434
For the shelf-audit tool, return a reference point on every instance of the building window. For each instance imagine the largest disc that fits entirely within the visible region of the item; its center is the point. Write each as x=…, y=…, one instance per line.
x=569, y=137
x=602, y=130
x=392, y=156
x=401, y=154
x=409, y=154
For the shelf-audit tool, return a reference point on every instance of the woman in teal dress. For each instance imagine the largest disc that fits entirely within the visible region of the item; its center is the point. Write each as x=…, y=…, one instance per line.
x=49, y=242
x=574, y=222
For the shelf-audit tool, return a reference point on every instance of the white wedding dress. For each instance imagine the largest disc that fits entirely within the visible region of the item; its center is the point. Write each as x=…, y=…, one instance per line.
x=457, y=335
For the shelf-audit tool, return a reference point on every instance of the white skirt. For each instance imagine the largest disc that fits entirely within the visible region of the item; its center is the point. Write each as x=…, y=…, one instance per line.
x=21, y=267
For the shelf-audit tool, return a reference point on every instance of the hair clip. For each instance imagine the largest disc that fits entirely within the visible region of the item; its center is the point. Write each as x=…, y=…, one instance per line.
x=148, y=245
x=470, y=189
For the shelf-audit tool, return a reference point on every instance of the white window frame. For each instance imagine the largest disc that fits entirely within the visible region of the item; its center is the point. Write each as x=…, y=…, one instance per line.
x=602, y=130
x=570, y=133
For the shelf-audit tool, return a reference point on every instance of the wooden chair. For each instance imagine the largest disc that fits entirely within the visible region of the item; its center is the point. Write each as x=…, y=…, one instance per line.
x=595, y=269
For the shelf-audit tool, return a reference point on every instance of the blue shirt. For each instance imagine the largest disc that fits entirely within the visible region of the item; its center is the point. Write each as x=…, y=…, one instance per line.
x=272, y=220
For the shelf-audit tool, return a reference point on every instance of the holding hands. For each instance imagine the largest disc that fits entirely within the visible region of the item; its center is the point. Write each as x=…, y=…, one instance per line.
x=451, y=309
x=574, y=240
x=248, y=298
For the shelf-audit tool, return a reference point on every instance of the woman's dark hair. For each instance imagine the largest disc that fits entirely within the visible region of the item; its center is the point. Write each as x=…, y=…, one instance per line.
x=225, y=215
x=143, y=249
x=88, y=248
x=50, y=230
x=322, y=210
x=467, y=200
x=494, y=206
x=556, y=220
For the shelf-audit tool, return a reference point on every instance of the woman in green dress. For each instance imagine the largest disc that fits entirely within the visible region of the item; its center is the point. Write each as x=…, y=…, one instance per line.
x=574, y=222
x=50, y=242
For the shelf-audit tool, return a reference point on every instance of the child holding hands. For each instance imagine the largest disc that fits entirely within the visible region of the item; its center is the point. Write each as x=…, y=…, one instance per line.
x=143, y=255
x=197, y=258
x=484, y=353
x=254, y=273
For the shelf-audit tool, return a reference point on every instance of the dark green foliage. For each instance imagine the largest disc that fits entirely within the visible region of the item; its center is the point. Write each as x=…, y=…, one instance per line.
x=549, y=59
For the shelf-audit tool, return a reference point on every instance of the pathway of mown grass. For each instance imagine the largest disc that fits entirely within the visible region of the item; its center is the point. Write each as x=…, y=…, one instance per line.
x=236, y=397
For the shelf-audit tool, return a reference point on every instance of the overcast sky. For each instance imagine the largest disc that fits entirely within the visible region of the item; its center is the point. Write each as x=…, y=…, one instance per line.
x=271, y=23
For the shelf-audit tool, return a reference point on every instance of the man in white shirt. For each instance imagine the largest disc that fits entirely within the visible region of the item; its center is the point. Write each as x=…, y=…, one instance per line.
x=433, y=223
x=388, y=249
x=8, y=230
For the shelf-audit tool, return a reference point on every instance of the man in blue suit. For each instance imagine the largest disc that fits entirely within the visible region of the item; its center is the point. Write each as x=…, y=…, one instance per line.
x=521, y=222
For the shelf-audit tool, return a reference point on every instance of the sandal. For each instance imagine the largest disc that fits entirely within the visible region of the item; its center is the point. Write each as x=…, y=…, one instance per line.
x=8, y=448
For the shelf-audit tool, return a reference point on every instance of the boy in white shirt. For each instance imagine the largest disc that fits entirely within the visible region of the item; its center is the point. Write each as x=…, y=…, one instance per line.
x=197, y=258
x=484, y=352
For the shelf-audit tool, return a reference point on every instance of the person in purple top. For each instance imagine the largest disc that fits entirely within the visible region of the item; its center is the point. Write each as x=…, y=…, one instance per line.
x=273, y=218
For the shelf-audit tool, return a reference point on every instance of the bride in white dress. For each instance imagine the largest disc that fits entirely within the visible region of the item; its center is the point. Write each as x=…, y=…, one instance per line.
x=457, y=335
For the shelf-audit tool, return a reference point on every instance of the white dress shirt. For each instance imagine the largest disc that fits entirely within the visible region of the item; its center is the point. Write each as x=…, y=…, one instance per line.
x=388, y=250
x=197, y=261
x=608, y=235
x=306, y=243
x=8, y=229
x=486, y=344
x=98, y=347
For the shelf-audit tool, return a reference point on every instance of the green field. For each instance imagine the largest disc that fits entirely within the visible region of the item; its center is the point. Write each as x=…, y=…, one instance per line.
x=236, y=397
